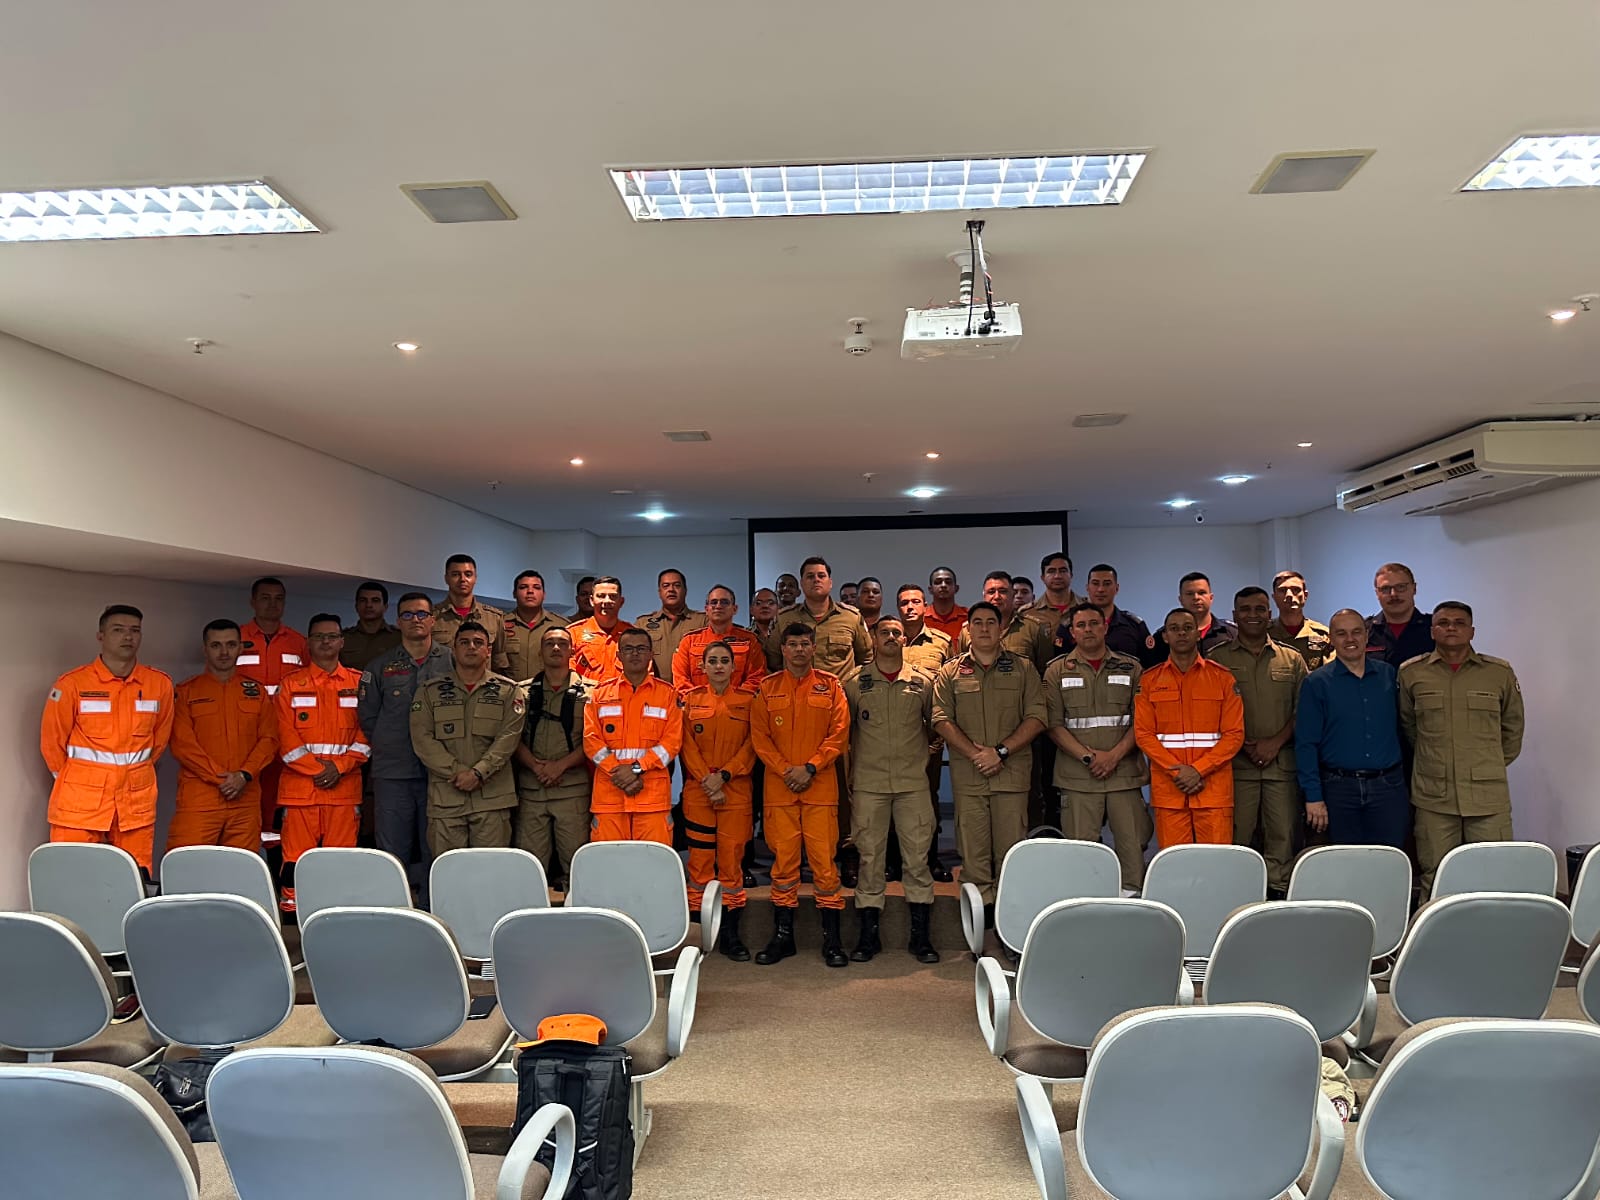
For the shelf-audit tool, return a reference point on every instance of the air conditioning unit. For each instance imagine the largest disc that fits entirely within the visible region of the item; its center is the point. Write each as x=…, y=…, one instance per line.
x=1483, y=465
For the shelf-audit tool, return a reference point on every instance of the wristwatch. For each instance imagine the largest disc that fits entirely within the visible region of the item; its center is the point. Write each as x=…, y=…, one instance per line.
x=1000, y=749
x=727, y=776
x=1087, y=759
x=637, y=769
x=247, y=776
x=811, y=769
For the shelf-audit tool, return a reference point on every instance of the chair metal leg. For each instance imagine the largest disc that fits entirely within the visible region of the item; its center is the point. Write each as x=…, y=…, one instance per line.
x=640, y=1116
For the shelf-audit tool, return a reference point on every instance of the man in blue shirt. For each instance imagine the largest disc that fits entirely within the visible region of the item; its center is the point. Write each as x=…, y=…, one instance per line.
x=1347, y=743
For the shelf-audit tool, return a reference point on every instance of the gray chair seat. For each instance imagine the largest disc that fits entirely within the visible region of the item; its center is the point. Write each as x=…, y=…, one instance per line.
x=649, y=1049
x=215, y=1182
x=1351, y=1185
x=468, y=1048
x=1029, y=1051
x=124, y=1045
x=486, y=1173
x=304, y=1028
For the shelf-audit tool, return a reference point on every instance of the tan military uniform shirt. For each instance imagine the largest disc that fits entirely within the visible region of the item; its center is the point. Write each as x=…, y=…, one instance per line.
x=360, y=648
x=1312, y=639
x=842, y=642
x=1096, y=707
x=446, y=622
x=1269, y=684
x=987, y=704
x=1048, y=615
x=546, y=738
x=522, y=643
x=1466, y=728
x=666, y=631
x=453, y=729
x=929, y=650
x=890, y=729
x=1026, y=636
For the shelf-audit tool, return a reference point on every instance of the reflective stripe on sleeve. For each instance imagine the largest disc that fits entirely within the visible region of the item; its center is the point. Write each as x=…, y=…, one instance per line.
x=661, y=753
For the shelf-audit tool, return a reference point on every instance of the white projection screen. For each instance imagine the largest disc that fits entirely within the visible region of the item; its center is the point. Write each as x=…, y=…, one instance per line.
x=905, y=549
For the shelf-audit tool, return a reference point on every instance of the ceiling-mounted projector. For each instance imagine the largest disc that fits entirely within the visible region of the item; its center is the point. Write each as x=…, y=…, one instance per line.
x=969, y=328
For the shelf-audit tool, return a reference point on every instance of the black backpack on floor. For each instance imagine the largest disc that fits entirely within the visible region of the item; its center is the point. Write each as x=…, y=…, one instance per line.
x=593, y=1081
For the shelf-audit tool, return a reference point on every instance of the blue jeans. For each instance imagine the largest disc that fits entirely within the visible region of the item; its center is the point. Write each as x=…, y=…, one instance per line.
x=1368, y=812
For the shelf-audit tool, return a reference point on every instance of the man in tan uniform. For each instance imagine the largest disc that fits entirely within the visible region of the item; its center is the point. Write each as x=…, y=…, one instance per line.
x=1293, y=627
x=890, y=704
x=371, y=635
x=988, y=705
x=667, y=625
x=552, y=776
x=928, y=648
x=1099, y=769
x=1462, y=713
x=1024, y=634
x=526, y=624
x=461, y=604
x=1265, y=793
x=464, y=727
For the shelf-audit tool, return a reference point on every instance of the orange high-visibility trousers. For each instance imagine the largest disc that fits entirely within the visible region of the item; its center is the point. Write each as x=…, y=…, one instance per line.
x=307, y=826
x=631, y=827
x=717, y=838
x=816, y=827
x=1185, y=826
x=141, y=842
x=233, y=825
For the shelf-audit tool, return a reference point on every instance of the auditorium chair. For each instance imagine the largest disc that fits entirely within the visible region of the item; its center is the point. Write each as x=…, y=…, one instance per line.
x=1588, y=988
x=1586, y=903
x=1378, y=878
x=349, y=876
x=646, y=882
x=395, y=976
x=1084, y=962
x=1496, y=867
x=1210, y=1103
x=470, y=890
x=57, y=999
x=1204, y=884
x=590, y=960
x=1034, y=875
x=92, y=886
x=361, y=1121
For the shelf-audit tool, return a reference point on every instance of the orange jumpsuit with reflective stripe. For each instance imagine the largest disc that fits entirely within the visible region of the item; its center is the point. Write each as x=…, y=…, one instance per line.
x=636, y=725
x=1190, y=718
x=101, y=737
x=749, y=658
x=594, y=650
x=220, y=728
x=792, y=722
x=316, y=713
x=716, y=737
x=267, y=661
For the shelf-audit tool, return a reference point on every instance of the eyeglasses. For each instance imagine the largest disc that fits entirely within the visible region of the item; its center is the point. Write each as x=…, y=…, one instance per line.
x=424, y=615
x=719, y=603
x=326, y=637
x=631, y=649
x=1395, y=589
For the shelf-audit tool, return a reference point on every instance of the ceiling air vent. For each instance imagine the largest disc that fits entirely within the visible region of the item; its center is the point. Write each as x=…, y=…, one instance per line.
x=458, y=203
x=1098, y=420
x=687, y=435
x=1310, y=171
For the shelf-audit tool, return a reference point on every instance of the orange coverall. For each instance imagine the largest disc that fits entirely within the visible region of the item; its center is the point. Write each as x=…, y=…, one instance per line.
x=716, y=737
x=950, y=626
x=594, y=650
x=101, y=737
x=792, y=722
x=220, y=728
x=1192, y=718
x=267, y=661
x=316, y=712
x=639, y=725
x=749, y=658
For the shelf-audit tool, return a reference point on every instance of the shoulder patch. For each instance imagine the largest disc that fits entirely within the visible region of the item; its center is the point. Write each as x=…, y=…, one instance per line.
x=416, y=706
x=55, y=694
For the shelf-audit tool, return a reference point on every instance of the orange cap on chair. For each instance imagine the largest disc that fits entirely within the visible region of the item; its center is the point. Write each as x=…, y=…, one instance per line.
x=572, y=1027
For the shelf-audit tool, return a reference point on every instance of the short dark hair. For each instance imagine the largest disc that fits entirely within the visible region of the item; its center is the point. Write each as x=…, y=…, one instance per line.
x=1194, y=576
x=264, y=581
x=1458, y=605
x=985, y=606
x=471, y=627
x=554, y=629
x=218, y=626
x=456, y=560
x=324, y=619
x=410, y=596
x=528, y=574
x=866, y=579
x=1245, y=593
x=886, y=617
x=798, y=629
x=1050, y=558
x=1282, y=575
x=1016, y=579
x=372, y=585
x=910, y=587
x=1172, y=612
x=790, y=575
x=1084, y=607
x=722, y=587
x=993, y=575
x=816, y=560
x=119, y=610
x=1106, y=567
x=634, y=631
x=665, y=571
x=936, y=570
x=584, y=580
x=608, y=579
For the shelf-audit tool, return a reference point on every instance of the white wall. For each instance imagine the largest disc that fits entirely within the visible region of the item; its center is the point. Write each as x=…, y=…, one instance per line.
x=1150, y=562
x=638, y=560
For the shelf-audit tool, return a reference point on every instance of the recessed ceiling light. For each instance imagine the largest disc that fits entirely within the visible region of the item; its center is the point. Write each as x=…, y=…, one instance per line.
x=577, y=462
x=1180, y=503
x=1235, y=480
x=622, y=491
x=406, y=347
x=947, y=185
x=923, y=493
x=1563, y=314
x=655, y=514
x=1571, y=160
x=931, y=454
x=1305, y=445
x=169, y=210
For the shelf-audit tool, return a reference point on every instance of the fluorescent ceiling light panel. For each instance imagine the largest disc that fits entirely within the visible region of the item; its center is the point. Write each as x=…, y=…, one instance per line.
x=177, y=210
x=828, y=189
x=1570, y=160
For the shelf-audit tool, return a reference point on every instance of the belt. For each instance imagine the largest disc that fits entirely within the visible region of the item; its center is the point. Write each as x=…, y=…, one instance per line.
x=1342, y=773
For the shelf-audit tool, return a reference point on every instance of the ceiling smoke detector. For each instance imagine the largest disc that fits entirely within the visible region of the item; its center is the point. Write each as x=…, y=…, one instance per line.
x=857, y=343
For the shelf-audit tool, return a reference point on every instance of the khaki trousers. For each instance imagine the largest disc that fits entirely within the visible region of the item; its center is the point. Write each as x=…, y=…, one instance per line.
x=552, y=830
x=988, y=824
x=1274, y=805
x=913, y=825
x=1084, y=813
x=1440, y=833
x=469, y=831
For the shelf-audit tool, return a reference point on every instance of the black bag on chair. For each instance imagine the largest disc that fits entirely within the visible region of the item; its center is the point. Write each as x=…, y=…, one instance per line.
x=592, y=1081
x=182, y=1084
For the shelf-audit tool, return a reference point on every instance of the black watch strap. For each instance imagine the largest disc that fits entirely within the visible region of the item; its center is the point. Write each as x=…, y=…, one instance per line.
x=727, y=776
x=247, y=776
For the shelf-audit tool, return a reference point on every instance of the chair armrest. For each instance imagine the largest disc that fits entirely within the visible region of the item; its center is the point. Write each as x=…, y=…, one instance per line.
x=972, y=918
x=994, y=1005
x=1330, y=1150
x=681, y=996
x=1185, y=986
x=1367, y=1024
x=1042, y=1138
x=550, y=1120
x=710, y=916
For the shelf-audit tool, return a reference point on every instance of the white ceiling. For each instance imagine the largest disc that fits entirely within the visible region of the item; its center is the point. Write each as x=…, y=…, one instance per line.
x=1229, y=326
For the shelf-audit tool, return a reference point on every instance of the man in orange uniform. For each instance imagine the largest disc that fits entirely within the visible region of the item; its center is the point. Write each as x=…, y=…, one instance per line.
x=718, y=757
x=800, y=724
x=749, y=658
x=631, y=732
x=945, y=614
x=1188, y=718
x=269, y=650
x=322, y=750
x=104, y=727
x=595, y=649
x=224, y=735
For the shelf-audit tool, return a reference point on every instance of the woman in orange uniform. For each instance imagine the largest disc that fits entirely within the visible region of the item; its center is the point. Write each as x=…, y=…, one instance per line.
x=718, y=758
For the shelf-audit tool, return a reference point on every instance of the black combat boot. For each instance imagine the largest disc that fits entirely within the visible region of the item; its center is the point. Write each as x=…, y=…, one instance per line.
x=988, y=916
x=867, y=943
x=832, y=946
x=936, y=868
x=782, y=944
x=920, y=944
x=729, y=942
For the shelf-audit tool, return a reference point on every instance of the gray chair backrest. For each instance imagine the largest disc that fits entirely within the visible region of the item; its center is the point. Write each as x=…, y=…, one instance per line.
x=93, y=886
x=1586, y=902
x=643, y=880
x=1589, y=988
x=574, y=960
x=1311, y=956
x=219, y=871
x=57, y=989
x=1497, y=867
x=349, y=877
x=470, y=890
x=211, y=970
x=361, y=1122
x=1531, y=1087
x=1204, y=884
x=1087, y=961
x=1481, y=954
x=80, y=1131
x=1376, y=877
x=1233, y=1091
x=389, y=974
x=1038, y=872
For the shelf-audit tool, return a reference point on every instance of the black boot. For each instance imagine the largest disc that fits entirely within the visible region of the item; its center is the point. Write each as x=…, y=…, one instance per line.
x=920, y=944
x=729, y=943
x=832, y=948
x=988, y=916
x=867, y=943
x=940, y=872
x=849, y=866
x=782, y=944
